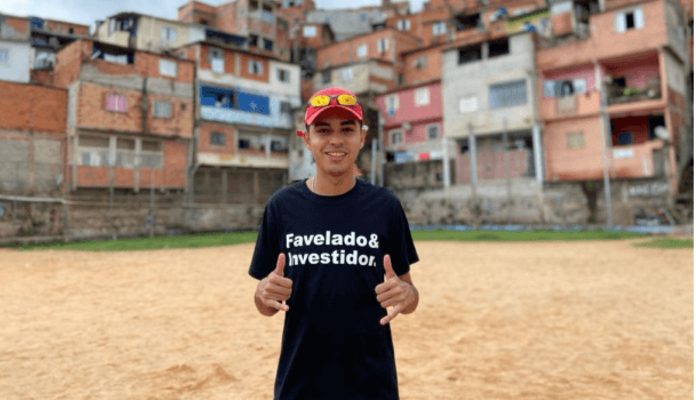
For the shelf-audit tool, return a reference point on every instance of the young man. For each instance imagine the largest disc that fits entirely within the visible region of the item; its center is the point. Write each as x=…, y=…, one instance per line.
x=334, y=253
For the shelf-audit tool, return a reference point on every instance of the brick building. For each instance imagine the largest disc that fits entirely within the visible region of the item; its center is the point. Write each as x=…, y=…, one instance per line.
x=244, y=120
x=129, y=117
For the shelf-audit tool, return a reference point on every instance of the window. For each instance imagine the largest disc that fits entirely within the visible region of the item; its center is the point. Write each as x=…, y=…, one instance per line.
x=94, y=150
x=347, y=75
x=362, y=50
x=116, y=102
x=251, y=141
x=279, y=144
x=125, y=153
x=421, y=62
x=507, y=94
x=309, y=31
x=465, y=22
x=392, y=104
x=151, y=154
x=217, y=139
x=168, y=34
x=71, y=30
x=285, y=107
x=253, y=41
x=404, y=25
x=433, y=132
x=422, y=97
x=439, y=28
x=283, y=75
x=575, y=140
x=397, y=137
x=326, y=77
x=4, y=56
x=469, y=54
x=167, y=67
x=255, y=67
x=630, y=19
x=468, y=104
x=382, y=45
x=498, y=48
x=268, y=44
x=162, y=109
x=216, y=57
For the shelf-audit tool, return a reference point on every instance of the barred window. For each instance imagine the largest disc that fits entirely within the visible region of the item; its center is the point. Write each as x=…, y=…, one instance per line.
x=507, y=94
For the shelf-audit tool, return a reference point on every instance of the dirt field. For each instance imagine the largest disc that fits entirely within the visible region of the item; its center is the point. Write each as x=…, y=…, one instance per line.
x=582, y=320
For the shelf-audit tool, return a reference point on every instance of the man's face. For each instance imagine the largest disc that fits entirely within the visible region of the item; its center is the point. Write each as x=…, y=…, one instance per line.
x=335, y=143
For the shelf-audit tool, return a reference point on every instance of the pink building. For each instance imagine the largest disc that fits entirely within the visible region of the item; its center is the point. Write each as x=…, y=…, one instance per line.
x=412, y=122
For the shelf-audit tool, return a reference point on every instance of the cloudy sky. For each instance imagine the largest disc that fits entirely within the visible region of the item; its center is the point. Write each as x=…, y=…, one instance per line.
x=88, y=11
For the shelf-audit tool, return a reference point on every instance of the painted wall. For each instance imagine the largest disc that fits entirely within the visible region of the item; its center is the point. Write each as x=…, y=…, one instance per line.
x=472, y=81
x=407, y=110
x=20, y=58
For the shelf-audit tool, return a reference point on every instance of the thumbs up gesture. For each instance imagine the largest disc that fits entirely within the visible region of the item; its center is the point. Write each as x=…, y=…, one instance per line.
x=395, y=293
x=275, y=289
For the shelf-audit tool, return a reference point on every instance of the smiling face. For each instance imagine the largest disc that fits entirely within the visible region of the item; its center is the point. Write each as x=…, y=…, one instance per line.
x=335, y=143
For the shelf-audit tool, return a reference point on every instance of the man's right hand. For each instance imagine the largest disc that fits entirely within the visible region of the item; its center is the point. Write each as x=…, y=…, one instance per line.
x=273, y=290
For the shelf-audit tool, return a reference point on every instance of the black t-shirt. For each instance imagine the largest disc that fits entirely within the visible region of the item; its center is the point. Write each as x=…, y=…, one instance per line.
x=333, y=345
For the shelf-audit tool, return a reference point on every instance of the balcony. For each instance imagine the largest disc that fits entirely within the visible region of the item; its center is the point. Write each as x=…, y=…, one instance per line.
x=621, y=94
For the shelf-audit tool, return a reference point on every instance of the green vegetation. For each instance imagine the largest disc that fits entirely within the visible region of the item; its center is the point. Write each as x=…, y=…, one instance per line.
x=227, y=239
x=151, y=243
x=668, y=243
x=522, y=236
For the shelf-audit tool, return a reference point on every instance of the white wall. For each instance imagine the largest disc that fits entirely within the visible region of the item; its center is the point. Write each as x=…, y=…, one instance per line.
x=19, y=63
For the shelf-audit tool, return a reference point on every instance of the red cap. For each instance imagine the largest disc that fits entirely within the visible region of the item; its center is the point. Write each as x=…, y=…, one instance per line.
x=312, y=112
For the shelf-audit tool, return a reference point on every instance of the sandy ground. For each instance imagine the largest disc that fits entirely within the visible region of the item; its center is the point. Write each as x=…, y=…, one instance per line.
x=582, y=320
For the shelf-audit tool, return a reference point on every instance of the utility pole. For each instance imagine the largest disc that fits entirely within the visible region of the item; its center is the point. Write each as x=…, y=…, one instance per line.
x=604, y=128
x=380, y=138
x=506, y=162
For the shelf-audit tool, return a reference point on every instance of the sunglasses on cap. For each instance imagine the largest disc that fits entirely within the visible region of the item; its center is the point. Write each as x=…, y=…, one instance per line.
x=323, y=100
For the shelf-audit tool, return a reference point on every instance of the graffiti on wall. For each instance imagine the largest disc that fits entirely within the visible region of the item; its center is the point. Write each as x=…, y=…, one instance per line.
x=648, y=189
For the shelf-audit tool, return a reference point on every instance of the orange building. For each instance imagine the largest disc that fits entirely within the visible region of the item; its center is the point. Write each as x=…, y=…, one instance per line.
x=130, y=116
x=639, y=65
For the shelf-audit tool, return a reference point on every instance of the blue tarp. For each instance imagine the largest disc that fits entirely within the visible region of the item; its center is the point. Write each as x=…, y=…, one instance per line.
x=253, y=103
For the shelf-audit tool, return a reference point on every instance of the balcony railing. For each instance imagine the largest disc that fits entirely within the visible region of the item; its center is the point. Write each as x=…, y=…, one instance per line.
x=620, y=94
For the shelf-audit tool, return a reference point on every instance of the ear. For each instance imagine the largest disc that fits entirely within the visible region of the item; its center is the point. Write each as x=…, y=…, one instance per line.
x=305, y=139
x=363, y=136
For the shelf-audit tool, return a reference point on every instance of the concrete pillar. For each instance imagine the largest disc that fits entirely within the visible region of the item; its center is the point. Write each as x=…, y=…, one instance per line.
x=256, y=186
x=445, y=163
x=472, y=156
x=538, y=153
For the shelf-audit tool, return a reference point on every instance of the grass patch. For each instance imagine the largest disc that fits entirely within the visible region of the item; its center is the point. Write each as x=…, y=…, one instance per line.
x=668, y=243
x=151, y=243
x=228, y=239
x=522, y=236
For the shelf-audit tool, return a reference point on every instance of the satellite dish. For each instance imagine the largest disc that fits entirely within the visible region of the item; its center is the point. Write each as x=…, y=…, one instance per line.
x=406, y=126
x=662, y=133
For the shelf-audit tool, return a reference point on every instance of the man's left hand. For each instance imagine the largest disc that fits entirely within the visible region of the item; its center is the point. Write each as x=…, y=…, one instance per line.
x=393, y=292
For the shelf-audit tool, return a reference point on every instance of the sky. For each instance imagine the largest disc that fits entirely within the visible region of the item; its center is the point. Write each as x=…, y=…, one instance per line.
x=87, y=11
